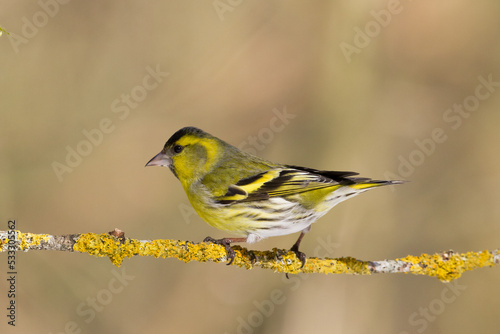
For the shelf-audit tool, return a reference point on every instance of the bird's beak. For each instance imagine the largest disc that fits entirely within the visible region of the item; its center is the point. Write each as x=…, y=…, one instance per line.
x=161, y=159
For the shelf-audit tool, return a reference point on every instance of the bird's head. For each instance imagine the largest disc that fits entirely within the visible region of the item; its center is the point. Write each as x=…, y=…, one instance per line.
x=190, y=153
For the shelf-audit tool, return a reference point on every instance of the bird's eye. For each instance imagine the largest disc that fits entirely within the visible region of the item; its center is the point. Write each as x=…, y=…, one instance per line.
x=178, y=148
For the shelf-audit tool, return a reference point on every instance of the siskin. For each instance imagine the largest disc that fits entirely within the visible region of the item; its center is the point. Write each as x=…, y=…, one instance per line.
x=250, y=197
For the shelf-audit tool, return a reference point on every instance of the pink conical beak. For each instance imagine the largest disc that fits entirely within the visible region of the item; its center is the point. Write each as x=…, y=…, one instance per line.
x=161, y=159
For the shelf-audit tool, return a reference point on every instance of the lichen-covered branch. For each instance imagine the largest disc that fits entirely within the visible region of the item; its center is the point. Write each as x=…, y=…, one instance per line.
x=445, y=266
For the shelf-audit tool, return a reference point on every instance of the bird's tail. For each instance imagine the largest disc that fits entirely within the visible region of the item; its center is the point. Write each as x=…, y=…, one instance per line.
x=366, y=183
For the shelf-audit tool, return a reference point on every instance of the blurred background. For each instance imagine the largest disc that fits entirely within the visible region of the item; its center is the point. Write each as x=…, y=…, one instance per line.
x=90, y=91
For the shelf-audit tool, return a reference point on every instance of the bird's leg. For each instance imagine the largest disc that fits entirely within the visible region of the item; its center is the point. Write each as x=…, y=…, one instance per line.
x=226, y=242
x=295, y=248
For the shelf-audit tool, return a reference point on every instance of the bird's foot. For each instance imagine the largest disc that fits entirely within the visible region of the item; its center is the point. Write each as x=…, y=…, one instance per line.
x=226, y=242
x=253, y=257
x=301, y=256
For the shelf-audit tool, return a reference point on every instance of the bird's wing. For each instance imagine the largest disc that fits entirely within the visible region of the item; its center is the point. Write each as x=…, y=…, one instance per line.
x=286, y=181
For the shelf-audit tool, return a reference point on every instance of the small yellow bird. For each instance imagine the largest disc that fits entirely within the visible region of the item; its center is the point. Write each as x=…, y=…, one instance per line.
x=250, y=197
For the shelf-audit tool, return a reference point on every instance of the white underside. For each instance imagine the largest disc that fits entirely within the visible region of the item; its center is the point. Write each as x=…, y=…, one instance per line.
x=291, y=217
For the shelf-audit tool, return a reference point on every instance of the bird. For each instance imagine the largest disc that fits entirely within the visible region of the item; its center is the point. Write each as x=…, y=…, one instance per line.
x=252, y=198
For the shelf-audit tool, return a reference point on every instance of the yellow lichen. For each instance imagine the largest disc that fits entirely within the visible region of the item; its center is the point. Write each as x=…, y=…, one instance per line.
x=346, y=265
x=27, y=240
x=106, y=245
x=448, y=266
x=99, y=246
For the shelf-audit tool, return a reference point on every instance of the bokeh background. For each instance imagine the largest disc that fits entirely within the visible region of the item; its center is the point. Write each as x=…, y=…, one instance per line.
x=356, y=84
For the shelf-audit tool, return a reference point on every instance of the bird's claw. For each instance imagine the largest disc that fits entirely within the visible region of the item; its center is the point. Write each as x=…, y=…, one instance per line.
x=301, y=256
x=253, y=257
x=227, y=245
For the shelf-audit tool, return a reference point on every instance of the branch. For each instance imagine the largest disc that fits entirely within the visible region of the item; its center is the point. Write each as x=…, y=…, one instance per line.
x=445, y=266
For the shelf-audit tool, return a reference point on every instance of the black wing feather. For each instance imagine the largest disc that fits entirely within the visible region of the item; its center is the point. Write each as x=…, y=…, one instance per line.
x=341, y=177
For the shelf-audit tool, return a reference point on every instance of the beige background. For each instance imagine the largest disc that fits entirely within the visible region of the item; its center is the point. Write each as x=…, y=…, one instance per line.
x=228, y=71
